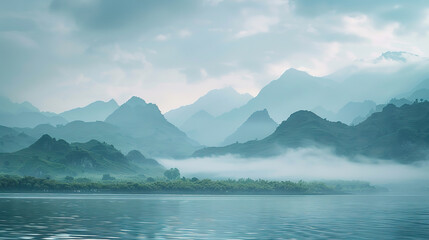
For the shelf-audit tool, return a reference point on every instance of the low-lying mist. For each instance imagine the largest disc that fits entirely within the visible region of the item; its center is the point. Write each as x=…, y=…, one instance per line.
x=301, y=164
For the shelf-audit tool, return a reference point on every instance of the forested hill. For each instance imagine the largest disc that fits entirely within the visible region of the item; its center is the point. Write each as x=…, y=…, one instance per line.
x=396, y=133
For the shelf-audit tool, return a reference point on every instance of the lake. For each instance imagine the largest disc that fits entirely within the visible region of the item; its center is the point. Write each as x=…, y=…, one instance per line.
x=123, y=216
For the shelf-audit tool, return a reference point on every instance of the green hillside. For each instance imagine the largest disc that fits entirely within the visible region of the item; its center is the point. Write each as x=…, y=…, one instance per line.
x=57, y=158
x=396, y=133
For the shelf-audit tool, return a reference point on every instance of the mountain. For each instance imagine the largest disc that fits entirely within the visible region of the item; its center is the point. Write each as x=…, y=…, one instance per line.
x=144, y=122
x=293, y=91
x=135, y=125
x=258, y=126
x=396, y=133
x=421, y=94
x=381, y=79
x=353, y=110
x=377, y=80
x=200, y=127
x=12, y=140
x=215, y=103
x=51, y=157
x=29, y=119
x=79, y=131
x=146, y=164
x=7, y=106
x=418, y=95
x=396, y=56
x=352, y=113
x=96, y=111
x=25, y=115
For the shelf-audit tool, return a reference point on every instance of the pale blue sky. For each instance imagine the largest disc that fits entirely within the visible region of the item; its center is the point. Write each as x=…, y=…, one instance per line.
x=64, y=54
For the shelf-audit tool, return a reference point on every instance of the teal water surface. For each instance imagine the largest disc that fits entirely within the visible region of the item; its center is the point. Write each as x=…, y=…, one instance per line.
x=109, y=216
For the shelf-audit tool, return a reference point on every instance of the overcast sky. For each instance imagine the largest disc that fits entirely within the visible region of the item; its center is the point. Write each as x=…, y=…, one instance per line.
x=64, y=54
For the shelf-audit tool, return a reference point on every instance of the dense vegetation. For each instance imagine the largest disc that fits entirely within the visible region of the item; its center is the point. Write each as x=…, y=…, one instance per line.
x=183, y=185
x=396, y=133
x=10, y=183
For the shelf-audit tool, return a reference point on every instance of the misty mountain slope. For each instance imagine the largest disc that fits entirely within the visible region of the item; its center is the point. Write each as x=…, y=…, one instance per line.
x=79, y=131
x=397, y=133
x=148, y=165
x=383, y=80
x=351, y=114
x=96, y=111
x=200, y=126
x=258, y=126
x=353, y=110
x=51, y=157
x=12, y=140
x=421, y=94
x=7, y=106
x=29, y=119
x=293, y=91
x=215, y=102
x=25, y=115
x=154, y=133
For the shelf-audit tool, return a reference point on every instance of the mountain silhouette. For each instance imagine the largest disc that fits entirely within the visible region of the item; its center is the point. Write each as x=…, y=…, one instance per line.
x=51, y=157
x=96, y=111
x=215, y=103
x=396, y=133
x=258, y=126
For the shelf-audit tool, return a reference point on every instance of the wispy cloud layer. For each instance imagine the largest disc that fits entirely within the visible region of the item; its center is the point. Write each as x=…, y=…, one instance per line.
x=48, y=45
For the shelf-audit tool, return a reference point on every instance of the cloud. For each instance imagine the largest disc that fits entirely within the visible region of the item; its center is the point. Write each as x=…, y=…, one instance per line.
x=115, y=15
x=300, y=164
x=256, y=24
x=46, y=45
x=185, y=33
x=361, y=26
x=162, y=37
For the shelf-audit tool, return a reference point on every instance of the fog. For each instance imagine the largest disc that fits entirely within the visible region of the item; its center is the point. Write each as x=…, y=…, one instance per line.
x=301, y=164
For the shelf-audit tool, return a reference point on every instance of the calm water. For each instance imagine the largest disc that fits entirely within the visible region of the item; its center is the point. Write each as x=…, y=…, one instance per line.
x=65, y=216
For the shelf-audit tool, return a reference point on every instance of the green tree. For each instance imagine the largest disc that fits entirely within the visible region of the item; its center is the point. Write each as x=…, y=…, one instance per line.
x=69, y=178
x=150, y=179
x=107, y=177
x=172, y=173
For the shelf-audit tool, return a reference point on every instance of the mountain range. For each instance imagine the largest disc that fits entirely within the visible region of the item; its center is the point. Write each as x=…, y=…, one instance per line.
x=395, y=133
x=12, y=140
x=25, y=115
x=224, y=116
x=215, y=103
x=49, y=157
x=134, y=125
x=96, y=111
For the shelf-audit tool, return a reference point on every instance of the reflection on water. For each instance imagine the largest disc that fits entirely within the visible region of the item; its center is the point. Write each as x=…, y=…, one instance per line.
x=65, y=216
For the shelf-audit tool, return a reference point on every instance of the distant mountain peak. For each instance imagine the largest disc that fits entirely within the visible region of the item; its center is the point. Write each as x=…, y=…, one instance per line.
x=261, y=115
x=134, y=101
x=259, y=125
x=293, y=72
x=215, y=102
x=398, y=56
x=112, y=101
